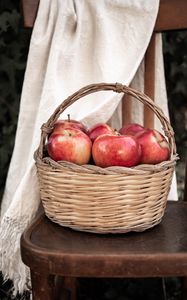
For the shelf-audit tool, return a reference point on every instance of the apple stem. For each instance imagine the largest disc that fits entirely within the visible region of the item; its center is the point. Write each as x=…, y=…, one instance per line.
x=68, y=117
x=116, y=132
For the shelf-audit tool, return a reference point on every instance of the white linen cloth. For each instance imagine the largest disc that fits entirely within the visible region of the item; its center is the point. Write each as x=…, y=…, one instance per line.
x=74, y=43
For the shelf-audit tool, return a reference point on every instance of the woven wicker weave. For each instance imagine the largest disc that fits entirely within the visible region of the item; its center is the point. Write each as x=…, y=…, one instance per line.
x=105, y=200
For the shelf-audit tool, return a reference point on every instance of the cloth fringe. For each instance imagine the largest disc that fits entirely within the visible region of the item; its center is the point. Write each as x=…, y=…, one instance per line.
x=13, y=268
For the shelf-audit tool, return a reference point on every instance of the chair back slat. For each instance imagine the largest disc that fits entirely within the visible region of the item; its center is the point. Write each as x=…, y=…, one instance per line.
x=29, y=10
x=149, y=80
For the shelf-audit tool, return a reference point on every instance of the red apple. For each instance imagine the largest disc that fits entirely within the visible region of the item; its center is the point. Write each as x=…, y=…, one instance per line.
x=155, y=147
x=99, y=129
x=71, y=145
x=61, y=124
x=131, y=129
x=116, y=150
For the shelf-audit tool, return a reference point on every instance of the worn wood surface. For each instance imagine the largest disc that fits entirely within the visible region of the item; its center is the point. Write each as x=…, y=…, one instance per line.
x=42, y=286
x=126, y=110
x=52, y=249
x=29, y=9
x=171, y=15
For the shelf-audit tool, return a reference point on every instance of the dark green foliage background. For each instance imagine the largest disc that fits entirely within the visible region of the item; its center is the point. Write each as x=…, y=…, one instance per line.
x=14, y=46
x=175, y=58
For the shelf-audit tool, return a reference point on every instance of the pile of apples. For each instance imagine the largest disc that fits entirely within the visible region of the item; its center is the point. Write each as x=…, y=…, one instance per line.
x=104, y=146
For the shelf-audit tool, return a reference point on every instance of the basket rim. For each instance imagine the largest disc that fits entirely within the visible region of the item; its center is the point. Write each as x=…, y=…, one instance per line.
x=142, y=169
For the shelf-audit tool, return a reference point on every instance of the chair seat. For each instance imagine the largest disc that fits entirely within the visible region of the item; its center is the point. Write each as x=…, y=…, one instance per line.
x=160, y=251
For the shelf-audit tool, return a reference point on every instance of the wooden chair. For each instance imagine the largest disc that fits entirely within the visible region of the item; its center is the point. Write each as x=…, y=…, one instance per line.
x=50, y=250
x=53, y=252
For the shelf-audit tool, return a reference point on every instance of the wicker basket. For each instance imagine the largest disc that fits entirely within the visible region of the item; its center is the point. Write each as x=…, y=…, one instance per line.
x=104, y=200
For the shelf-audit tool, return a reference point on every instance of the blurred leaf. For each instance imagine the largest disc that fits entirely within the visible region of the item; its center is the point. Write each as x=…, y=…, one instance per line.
x=9, y=20
x=180, y=88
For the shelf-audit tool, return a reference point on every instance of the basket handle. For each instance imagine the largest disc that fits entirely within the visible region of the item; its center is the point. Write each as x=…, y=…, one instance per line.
x=116, y=87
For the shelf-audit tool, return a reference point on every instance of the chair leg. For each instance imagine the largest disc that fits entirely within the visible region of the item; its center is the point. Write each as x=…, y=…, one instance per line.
x=70, y=283
x=43, y=286
x=65, y=288
x=184, y=288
